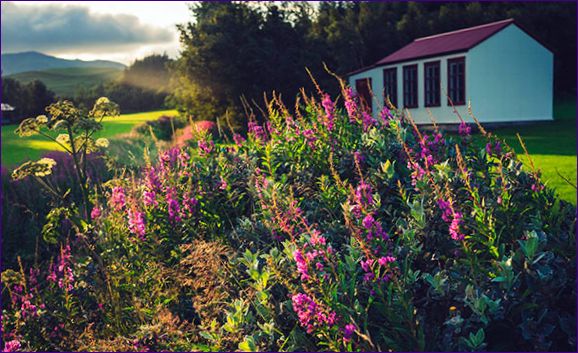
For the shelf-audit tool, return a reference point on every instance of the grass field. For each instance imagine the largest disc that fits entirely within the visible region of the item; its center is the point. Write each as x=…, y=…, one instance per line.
x=64, y=82
x=552, y=148
x=16, y=149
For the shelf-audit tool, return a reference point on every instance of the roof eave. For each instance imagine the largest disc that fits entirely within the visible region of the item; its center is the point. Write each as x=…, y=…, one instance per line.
x=415, y=58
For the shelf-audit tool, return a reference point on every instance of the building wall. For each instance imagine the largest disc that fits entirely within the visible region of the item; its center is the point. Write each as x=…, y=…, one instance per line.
x=511, y=78
x=443, y=114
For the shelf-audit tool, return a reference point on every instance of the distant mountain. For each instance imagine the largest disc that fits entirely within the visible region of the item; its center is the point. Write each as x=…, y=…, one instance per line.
x=65, y=82
x=35, y=61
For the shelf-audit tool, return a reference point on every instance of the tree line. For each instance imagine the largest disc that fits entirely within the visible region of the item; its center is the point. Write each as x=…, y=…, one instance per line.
x=143, y=86
x=27, y=99
x=236, y=52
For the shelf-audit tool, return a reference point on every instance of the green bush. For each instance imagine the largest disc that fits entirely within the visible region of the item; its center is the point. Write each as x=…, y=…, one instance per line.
x=325, y=229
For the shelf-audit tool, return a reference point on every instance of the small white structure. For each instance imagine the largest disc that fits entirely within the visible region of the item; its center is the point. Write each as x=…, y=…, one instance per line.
x=7, y=107
x=500, y=68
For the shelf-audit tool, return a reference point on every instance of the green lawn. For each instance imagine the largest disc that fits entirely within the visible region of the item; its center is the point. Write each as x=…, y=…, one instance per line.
x=552, y=147
x=16, y=149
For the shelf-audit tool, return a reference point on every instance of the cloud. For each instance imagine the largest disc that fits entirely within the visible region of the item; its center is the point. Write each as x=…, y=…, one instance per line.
x=73, y=28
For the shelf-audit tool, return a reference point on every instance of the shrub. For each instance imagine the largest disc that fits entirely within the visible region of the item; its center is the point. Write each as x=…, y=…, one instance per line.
x=163, y=128
x=325, y=229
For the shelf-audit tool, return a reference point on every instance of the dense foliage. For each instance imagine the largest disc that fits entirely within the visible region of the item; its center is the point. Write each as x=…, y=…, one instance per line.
x=28, y=99
x=233, y=52
x=323, y=229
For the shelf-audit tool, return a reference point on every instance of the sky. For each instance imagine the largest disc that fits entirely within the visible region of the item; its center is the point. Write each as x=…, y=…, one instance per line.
x=88, y=30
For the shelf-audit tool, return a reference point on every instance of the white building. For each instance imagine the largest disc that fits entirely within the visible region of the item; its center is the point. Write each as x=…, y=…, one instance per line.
x=504, y=72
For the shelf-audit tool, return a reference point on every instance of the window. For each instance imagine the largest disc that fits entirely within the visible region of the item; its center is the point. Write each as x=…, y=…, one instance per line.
x=457, y=81
x=390, y=85
x=410, y=86
x=432, y=84
x=363, y=88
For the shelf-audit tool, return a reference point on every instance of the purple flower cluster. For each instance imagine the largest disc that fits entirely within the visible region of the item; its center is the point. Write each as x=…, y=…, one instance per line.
x=367, y=120
x=302, y=267
x=385, y=116
x=417, y=173
x=494, y=149
x=136, y=223
x=329, y=107
x=152, y=180
x=174, y=210
x=311, y=315
x=257, y=131
x=350, y=104
x=239, y=140
x=348, y=331
x=150, y=198
x=373, y=228
x=464, y=129
x=61, y=271
x=364, y=194
x=449, y=215
x=205, y=148
x=310, y=137
x=12, y=346
x=383, y=263
x=96, y=212
x=118, y=198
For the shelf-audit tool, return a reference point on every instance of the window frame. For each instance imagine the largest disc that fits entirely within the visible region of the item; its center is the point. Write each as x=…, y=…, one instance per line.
x=436, y=86
x=462, y=89
x=367, y=101
x=410, y=84
x=393, y=98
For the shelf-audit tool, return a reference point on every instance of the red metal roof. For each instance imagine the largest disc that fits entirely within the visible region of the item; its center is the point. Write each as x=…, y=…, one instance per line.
x=449, y=42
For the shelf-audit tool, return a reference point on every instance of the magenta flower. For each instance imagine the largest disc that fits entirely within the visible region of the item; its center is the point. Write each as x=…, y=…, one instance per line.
x=317, y=238
x=537, y=187
x=329, y=107
x=205, y=148
x=383, y=261
x=367, y=120
x=350, y=104
x=238, y=139
x=95, y=213
x=364, y=194
x=152, y=180
x=136, y=223
x=385, y=115
x=301, y=265
x=464, y=129
x=310, y=314
x=455, y=227
x=348, y=331
x=368, y=222
x=118, y=198
x=61, y=271
x=449, y=215
x=223, y=184
x=257, y=131
x=150, y=199
x=366, y=265
x=189, y=204
x=12, y=346
x=174, y=210
x=310, y=137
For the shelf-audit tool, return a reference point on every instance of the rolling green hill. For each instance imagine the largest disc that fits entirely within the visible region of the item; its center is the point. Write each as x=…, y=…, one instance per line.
x=13, y=63
x=65, y=81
